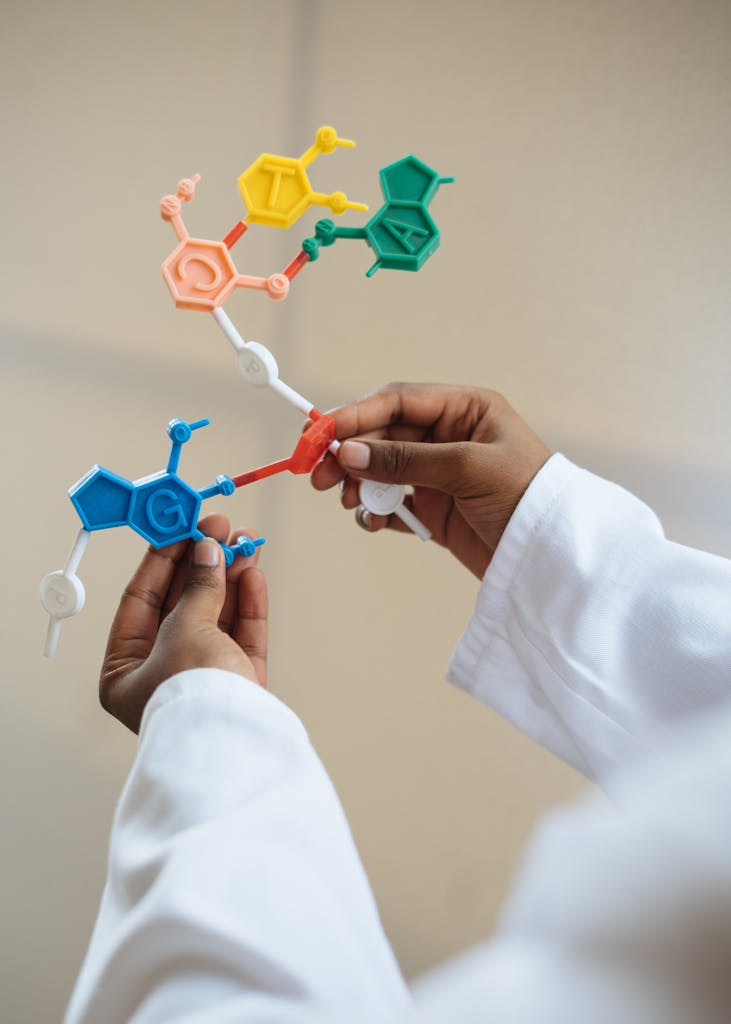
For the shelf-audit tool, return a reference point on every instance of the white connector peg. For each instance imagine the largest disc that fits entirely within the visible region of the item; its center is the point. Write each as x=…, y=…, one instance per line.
x=388, y=499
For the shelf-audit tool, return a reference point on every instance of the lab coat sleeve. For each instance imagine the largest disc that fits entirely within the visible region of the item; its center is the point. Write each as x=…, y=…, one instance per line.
x=234, y=888
x=591, y=630
x=621, y=913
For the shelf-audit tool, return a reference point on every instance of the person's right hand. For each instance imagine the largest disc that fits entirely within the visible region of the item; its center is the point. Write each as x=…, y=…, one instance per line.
x=182, y=610
x=465, y=451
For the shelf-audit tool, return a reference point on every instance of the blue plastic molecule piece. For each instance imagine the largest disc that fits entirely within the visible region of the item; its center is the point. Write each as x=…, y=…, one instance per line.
x=165, y=509
x=243, y=546
x=223, y=485
x=179, y=432
x=102, y=499
x=162, y=508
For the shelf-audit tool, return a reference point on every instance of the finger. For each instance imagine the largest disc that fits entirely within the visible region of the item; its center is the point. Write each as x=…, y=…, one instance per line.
x=205, y=587
x=444, y=467
x=395, y=432
x=350, y=496
x=379, y=409
x=137, y=619
x=227, y=618
x=327, y=473
x=216, y=526
x=419, y=405
x=372, y=523
x=251, y=626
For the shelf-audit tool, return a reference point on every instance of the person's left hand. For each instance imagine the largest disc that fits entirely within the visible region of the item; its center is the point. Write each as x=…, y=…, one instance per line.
x=183, y=609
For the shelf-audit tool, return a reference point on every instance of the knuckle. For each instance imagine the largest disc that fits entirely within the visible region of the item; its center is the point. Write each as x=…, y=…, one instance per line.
x=107, y=693
x=462, y=455
x=468, y=468
x=144, y=594
x=204, y=581
x=257, y=648
x=104, y=697
x=496, y=406
x=397, y=457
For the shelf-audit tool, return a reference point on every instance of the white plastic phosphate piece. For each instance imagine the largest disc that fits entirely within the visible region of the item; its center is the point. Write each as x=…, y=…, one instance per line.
x=62, y=592
x=388, y=499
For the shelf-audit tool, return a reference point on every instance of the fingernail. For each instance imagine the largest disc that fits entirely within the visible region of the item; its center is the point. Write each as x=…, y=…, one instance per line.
x=355, y=454
x=207, y=553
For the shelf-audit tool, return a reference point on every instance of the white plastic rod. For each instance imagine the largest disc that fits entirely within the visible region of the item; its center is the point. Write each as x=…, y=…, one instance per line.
x=77, y=552
x=52, y=635
x=224, y=322
x=292, y=396
x=407, y=516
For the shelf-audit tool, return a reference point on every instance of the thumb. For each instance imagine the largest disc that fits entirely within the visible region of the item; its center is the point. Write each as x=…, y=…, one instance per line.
x=205, y=588
x=443, y=467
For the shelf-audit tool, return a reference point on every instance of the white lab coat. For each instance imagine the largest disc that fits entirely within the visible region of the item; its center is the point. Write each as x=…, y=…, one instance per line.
x=235, y=892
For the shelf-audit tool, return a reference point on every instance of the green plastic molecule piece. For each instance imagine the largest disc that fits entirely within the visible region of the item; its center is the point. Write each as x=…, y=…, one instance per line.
x=410, y=180
x=402, y=234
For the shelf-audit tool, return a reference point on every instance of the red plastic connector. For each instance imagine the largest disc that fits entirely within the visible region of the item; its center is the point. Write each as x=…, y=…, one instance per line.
x=258, y=474
x=235, y=234
x=308, y=451
x=313, y=444
x=296, y=265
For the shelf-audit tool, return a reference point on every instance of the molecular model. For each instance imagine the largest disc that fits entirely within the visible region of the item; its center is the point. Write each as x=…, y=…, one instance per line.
x=200, y=274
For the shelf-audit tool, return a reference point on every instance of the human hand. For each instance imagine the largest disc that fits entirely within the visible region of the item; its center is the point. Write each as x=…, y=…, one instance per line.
x=183, y=609
x=465, y=451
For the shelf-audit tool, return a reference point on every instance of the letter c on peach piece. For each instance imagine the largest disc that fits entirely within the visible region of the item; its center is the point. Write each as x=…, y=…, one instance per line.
x=209, y=264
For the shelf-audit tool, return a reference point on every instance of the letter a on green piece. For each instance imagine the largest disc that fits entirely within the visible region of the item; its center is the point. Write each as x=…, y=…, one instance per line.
x=403, y=233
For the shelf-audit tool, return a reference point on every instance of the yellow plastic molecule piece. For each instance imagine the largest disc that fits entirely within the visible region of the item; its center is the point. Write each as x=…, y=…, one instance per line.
x=277, y=191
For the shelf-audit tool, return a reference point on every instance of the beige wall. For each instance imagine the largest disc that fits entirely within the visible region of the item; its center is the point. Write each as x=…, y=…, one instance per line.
x=584, y=271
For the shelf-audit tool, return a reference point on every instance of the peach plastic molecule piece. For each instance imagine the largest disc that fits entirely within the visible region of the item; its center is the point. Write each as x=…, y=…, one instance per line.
x=200, y=273
x=276, y=189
